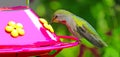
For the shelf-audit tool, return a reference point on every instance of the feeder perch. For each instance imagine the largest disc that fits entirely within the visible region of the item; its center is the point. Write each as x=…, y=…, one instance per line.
x=24, y=34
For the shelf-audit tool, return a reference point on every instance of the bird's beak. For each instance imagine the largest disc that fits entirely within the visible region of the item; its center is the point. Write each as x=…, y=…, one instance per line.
x=54, y=20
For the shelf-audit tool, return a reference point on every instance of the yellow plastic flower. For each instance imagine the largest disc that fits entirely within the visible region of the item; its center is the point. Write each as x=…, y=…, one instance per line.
x=15, y=29
x=46, y=25
x=43, y=21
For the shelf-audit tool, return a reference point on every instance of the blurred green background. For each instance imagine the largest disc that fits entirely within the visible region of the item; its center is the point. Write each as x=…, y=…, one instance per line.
x=103, y=15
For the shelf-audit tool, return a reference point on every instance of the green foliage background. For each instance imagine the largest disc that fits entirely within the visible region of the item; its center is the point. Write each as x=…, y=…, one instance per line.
x=103, y=15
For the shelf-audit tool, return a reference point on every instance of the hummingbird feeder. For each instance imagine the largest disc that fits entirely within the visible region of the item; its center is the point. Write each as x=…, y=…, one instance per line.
x=24, y=34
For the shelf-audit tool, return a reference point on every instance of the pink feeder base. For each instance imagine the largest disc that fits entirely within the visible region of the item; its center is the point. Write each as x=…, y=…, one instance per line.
x=41, y=51
x=37, y=41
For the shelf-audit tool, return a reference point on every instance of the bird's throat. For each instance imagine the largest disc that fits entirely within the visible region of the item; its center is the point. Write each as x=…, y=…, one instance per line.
x=63, y=22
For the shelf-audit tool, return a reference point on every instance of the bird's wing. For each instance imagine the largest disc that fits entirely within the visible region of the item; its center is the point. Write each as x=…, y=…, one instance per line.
x=88, y=32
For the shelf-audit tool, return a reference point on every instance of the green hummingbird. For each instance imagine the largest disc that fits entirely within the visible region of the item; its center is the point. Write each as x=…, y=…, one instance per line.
x=78, y=27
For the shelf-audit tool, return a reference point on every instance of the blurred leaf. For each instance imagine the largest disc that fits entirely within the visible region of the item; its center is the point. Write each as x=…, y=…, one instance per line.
x=111, y=52
x=52, y=52
x=115, y=41
x=88, y=54
x=54, y=5
x=98, y=13
x=69, y=52
x=41, y=10
x=61, y=29
x=109, y=3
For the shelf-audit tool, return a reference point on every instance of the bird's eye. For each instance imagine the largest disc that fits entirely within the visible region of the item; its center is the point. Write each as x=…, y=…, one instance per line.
x=55, y=16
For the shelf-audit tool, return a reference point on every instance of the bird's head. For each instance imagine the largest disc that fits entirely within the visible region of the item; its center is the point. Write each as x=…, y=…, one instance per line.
x=61, y=16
